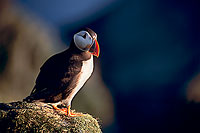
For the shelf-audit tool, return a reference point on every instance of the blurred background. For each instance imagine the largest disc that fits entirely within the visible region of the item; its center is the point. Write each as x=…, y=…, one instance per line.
x=147, y=78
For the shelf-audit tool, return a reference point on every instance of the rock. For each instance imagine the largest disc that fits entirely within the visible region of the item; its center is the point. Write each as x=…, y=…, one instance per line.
x=40, y=117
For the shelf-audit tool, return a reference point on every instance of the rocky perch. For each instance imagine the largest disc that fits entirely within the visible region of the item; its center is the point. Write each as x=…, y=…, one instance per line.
x=39, y=117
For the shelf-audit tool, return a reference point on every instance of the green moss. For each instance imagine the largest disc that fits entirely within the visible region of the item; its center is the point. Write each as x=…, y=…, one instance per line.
x=39, y=117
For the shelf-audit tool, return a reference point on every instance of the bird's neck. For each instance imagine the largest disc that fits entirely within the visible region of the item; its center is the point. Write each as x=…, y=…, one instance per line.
x=73, y=48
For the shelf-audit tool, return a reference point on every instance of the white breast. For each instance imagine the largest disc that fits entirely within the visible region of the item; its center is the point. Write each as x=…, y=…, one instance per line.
x=86, y=71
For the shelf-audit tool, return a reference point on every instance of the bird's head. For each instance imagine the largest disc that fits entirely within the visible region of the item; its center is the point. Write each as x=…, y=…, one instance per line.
x=86, y=40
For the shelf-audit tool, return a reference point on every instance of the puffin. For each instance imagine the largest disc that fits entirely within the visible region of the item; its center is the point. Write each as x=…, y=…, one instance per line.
x=65, y=73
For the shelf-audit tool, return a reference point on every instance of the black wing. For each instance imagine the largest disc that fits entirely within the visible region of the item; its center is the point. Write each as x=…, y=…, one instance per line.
x=55, y=77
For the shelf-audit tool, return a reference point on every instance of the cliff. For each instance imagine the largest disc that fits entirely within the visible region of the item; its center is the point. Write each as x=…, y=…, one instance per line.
x=40, y=117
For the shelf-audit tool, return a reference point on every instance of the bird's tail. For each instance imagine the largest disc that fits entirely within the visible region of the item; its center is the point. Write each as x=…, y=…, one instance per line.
x=35, y=96
x=30, y=98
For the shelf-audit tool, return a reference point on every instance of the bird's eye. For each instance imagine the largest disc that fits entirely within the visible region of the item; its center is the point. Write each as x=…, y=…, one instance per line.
x=84, y=36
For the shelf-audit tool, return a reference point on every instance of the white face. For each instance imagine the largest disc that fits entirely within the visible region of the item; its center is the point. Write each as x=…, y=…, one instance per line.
x=83, y=40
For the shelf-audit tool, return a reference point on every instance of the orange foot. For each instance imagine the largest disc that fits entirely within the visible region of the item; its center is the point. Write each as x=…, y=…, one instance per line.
x=67, y=111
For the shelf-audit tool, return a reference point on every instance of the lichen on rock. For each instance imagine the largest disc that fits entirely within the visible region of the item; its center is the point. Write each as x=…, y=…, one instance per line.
x=40, y=117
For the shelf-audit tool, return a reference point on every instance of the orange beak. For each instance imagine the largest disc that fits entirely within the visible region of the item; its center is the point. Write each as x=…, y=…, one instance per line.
x=95, y=50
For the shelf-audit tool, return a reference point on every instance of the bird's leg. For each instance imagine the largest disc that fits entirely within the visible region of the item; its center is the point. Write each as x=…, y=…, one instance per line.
x=67, y=111
x=70, y=113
